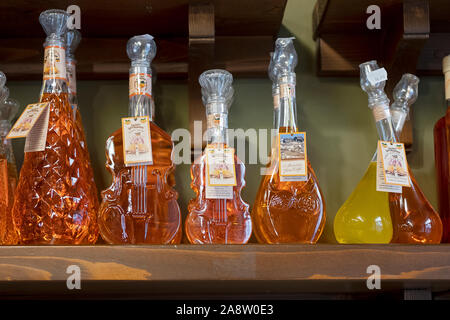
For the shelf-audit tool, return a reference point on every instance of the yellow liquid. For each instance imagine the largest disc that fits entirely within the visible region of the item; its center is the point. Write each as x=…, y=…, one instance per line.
x=365, y=216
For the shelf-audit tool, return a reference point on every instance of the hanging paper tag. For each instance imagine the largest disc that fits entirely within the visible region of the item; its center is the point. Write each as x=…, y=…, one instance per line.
x=221, y=173
x=54, y=63
x=140, y=84
x=381, y=185
x=377, y=76
x=32, y=125
x=292, y=156
x=137, y=142
x=393, y=163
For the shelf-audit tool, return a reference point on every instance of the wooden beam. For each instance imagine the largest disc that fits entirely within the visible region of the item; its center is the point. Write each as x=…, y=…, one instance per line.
x=404, y=42
x=201, y=57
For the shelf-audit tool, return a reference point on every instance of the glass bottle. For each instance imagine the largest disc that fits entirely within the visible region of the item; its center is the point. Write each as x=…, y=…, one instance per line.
x=291, y=211
x=73, y=38
x=441, y=155
x=213, y=219
x=8, y=169
x=365, y=216
x=53, y=203
x=140, y=206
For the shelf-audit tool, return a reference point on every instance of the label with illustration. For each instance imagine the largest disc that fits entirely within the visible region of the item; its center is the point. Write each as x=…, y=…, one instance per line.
x=220, y=173
x=393, y=164
x=292, y=155
x=54, y=63
x=217, y=120
x=137, y=143
x=71, y=77
x=140, y=84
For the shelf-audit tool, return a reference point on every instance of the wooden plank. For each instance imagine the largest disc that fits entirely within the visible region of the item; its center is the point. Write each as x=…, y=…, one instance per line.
x=222, y=269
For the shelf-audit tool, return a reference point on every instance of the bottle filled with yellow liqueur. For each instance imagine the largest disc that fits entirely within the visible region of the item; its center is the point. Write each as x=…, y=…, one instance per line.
x=289, y=206
x=217, y=214
x=73, y=38
x=53, y=202
x=8, y=170
x=140, y=206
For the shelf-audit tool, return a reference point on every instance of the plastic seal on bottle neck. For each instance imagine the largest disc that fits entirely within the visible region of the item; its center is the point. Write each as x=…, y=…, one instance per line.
x=381, y=112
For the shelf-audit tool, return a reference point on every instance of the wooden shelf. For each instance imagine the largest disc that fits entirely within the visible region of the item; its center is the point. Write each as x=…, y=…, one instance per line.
x=243, y=36
x=196, y=271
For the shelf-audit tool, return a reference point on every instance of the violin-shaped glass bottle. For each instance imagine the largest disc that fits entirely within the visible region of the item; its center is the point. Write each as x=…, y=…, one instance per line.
x=53, y=203
x=288, y=208
x=217, y=214
x=140, y=206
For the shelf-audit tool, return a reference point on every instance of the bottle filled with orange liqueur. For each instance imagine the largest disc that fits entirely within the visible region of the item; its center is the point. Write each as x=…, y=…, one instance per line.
x=289, y=206
x=217, y=214
x=140, y=206
x=53, y=203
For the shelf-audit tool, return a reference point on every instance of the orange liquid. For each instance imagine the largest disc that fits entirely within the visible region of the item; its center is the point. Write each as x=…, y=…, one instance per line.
x=288, y=211
x=140, y=206
x=53, y=203
x=413, y=218
x=443, y=177
x=90, y=172
x=8, y=182
x=217, y=221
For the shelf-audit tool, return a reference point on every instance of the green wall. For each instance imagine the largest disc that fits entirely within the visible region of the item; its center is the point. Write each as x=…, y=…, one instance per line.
x=341, y=133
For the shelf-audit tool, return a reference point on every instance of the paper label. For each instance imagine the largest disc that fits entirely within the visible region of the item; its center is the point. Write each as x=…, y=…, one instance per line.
x=377, y=76
x=381, y=186
x=217, y=120
x=71, y=77
x=220, y=167
x=219, y=192
x=54, y=63
x=393, y=163
x=37, y=137
x=137, y=146
x=140, y=84
x=292, y=155
x=287, y=90
x=27, y=120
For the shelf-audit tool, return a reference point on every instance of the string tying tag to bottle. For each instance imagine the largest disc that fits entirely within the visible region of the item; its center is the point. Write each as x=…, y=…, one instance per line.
x=287, y=90
x=54, y=63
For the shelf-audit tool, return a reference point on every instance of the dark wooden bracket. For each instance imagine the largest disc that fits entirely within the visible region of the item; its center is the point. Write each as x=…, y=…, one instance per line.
x=200, y=58
x=405, y=41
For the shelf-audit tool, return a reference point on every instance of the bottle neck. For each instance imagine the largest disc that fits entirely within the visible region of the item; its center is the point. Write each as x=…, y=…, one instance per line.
x=54, y=74
x=276, y=105
x=447, y=88
x=140, y=91
x=217, y=123
x=288, y=108
x=71, y=71
x=383, y=122
x=399, y=113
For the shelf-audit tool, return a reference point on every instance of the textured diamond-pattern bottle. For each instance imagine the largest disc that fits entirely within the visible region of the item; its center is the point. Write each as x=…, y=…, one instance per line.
x=53, y=202
x=140, y=206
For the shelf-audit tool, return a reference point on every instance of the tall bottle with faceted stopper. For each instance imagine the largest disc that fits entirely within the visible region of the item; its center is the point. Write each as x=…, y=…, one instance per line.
x=442, y=156
x=140, y=206
x=365, y=216
x=217, y=214
x=287, y=209
x=53, y=203
x=413, y=218
x=8, y=170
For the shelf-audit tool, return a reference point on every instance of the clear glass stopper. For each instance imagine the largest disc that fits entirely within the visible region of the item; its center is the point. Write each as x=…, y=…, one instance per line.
x=54, y=22
x=141, y=49
x=216, y=86
x=285, y=57
x=406, y=91
x=375, y=91
x=73, y=38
